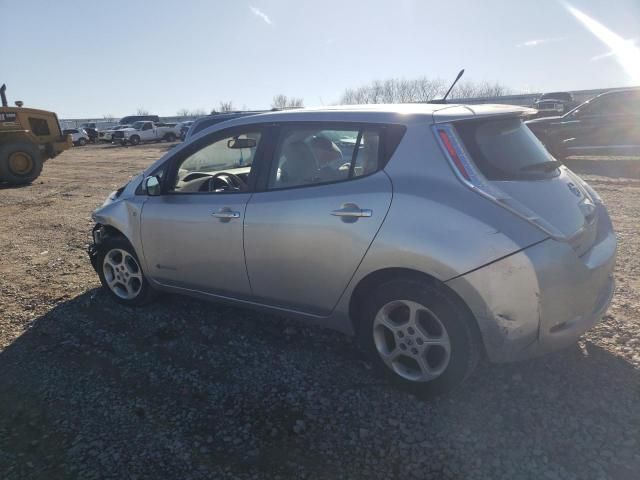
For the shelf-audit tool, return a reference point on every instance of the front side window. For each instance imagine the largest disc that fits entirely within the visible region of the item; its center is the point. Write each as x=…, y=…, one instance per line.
x=220, y=167
x=308, y=156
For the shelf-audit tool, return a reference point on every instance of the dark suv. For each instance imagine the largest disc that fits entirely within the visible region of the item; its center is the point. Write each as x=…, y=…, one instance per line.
x=608, y=124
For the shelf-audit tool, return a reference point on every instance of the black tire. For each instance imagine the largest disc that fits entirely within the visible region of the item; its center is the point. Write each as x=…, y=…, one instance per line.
x=170, y=137
x=109, y=246
x=82, y=142
x=20, y=163
x=465, y=343
x=134, y=140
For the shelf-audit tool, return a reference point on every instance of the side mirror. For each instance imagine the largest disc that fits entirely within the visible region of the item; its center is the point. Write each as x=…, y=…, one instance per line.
x=241, y=143
x=152, y=186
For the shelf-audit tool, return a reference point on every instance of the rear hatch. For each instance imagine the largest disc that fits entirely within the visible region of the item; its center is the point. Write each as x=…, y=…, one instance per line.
x=518, y=172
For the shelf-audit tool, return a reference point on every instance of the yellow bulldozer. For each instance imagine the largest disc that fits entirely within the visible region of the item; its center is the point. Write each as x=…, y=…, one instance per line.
x=28, y=137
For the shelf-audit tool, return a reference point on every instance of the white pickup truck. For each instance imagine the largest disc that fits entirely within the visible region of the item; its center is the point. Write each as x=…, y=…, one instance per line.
x=144, y=131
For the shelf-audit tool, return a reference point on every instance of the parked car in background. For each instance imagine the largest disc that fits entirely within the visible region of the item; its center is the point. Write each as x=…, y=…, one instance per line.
x=78, y=136
x=608, y=124
x=554, y=104
x=184, y=128
x=91, y=130
x=143, y=131
x=436, y=234
x=205, y=122
x=106, y=135
x=129, y=120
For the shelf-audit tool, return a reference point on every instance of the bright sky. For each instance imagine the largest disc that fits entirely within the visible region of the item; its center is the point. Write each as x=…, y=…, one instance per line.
x=89, y=59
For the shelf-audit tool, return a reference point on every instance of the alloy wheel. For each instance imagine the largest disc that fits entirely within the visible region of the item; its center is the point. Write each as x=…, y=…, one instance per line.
x=411, y=340
x=122, y=274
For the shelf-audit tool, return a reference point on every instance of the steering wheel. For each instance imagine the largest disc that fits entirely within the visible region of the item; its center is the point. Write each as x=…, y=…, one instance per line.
x=239, y=183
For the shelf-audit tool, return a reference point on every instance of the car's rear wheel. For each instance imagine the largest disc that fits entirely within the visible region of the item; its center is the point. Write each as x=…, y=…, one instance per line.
x=420, y=335
x=121, y=274
x=170, y=137
x=20, y=163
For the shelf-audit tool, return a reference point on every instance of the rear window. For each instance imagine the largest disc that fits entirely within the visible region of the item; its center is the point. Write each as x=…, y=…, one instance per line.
x=505, y=149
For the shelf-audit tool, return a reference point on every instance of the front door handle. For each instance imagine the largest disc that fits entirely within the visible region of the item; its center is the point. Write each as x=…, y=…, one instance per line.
x=226, y=214
x=351, y=210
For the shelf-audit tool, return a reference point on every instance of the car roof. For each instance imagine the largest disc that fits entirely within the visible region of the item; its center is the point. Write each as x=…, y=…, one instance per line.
x=620, y=90
x=386, y=113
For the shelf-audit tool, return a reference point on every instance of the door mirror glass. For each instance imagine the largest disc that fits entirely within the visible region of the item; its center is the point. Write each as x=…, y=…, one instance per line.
x=152, y=186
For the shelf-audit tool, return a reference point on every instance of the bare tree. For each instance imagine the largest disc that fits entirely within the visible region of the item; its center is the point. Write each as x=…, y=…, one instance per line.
x=400, y=90
x=142, y=111
x=282, y=102
x=185, y=112
x=108, y=117
x=225, y=107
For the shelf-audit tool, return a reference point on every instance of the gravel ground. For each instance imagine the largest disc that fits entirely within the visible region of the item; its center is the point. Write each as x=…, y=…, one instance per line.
x=189, y=390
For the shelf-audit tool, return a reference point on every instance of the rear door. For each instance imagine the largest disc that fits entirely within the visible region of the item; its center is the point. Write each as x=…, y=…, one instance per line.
x=513, y=161
x=322, y=202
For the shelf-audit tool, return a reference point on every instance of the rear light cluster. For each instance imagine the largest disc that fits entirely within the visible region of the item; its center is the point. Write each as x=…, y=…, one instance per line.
x=468, y=174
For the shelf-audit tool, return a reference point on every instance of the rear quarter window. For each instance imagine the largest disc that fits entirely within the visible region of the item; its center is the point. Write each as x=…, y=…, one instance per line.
x=505, y=149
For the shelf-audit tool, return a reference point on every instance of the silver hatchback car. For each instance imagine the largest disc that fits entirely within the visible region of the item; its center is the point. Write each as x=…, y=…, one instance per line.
x=436, y=234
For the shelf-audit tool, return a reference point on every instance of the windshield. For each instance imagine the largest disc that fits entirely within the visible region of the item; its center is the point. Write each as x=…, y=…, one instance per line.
x=505, y=149
x=138, y=125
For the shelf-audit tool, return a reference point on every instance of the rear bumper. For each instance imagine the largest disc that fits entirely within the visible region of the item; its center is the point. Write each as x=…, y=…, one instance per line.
x=543, y=298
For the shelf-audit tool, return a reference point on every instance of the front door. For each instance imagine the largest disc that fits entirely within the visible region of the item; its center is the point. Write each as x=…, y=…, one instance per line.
x=192, y=234
x=323, y=203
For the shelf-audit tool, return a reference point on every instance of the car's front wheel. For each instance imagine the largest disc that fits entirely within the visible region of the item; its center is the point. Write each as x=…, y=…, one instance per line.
x=135, y=140
x=121, y=274
x=420, y=335
x=82, y=142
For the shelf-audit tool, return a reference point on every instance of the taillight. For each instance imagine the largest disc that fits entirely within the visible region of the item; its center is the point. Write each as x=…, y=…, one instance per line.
x=459, y=158
x=444, y=136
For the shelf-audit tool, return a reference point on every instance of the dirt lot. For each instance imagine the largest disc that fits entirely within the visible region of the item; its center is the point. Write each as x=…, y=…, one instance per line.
x=189, y=390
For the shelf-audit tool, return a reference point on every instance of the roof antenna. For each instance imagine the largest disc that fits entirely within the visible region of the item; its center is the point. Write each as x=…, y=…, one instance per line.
x=444, y=99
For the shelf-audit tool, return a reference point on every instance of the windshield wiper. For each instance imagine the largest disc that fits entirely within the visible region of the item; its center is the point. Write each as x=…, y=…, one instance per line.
x=544, y=166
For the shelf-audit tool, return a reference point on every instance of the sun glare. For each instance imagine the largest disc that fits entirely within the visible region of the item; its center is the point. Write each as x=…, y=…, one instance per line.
x=626, y=53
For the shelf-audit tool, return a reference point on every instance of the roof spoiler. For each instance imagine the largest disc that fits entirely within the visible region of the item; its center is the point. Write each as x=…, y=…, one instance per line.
x=3, y=96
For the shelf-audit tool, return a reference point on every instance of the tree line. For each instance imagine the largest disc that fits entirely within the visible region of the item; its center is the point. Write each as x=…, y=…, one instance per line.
x=391, y=90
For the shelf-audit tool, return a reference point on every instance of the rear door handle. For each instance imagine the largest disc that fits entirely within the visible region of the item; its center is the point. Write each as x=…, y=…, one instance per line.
x=351, y=210
x=226, y=214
